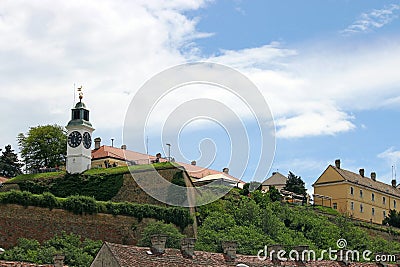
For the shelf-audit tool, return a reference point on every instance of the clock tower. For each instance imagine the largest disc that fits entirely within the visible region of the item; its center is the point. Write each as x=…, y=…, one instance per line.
x=79, y=132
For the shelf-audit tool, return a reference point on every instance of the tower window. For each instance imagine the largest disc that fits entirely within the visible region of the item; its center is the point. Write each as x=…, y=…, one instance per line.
x=361, y=208
x=351, y=190
x=384, y=200
x=86, y=115
x=373, y=211
x=394, y=203
x=361, y=193
x=335, y=206
x=76, y=114
x=373, y=197
x=352, y=205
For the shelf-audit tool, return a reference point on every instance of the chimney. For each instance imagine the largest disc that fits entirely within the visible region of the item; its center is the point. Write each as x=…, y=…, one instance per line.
x=373, y=176
x=187, y=247
x=344, y=257
x=97, y=142
x=337, y=163
x=300, y=250
x=229, y=248
x=158, y=244
x=361, y=172
x=123, y=147
x=58, y=260
x=225, y=170
x=193, y=163
x=272, y=252
x=394, y=183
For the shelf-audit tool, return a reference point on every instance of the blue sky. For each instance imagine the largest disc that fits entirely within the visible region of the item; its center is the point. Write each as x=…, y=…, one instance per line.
x=329, y=71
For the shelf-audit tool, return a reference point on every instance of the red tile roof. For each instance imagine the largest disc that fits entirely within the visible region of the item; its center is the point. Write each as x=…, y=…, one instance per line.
x=22, y=264
x=122, y=154
x=356, y=178
x=133, y=256
x=195, y=171
x=3, y=179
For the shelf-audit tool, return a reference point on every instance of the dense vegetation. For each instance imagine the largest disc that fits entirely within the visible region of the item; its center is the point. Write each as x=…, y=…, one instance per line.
x=77, y=252
x=392, y=219
x=81, y=252
x=159, y=227
x=256, y=221
x=84, y=204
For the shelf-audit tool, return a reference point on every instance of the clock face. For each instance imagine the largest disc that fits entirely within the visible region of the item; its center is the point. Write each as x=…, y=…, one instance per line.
x=87, y=140
x=74, y=139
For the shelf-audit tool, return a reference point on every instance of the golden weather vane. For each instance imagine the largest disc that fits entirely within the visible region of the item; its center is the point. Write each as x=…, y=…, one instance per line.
x=80, y=93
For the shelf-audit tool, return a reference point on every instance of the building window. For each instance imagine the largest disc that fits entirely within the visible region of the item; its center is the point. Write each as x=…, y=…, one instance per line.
x=335, y=206
x=86, y=115
x=373, y=212
x=384, y=214
x=361, y=193
x=352, y=205
x=394, y=203
x=361, y=208
x=373, y=197
x=384, y=200
x=76, y=114
x=351, y=191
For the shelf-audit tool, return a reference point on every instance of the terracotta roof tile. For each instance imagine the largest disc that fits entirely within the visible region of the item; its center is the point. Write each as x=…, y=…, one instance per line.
x=3, y=179
x=199, y=172
x=195, y=171
x=122, y=154
x=367, y=182
x=130, y=256
x=22, y=264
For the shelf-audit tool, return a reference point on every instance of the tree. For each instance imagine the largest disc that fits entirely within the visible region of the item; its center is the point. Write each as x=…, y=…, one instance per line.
x=9, y=163
x=392, y=219
x=295, y=184
x=43, y=147
x=76, y=251
x=274, y=194
x=159, y=227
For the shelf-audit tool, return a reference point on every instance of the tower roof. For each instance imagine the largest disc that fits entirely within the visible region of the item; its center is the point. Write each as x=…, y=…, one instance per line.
x=80, y=105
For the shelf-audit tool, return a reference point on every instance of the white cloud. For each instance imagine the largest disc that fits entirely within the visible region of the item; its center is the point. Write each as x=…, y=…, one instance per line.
x=374, y=19
x=313, y=90
x=109, y=47
x=391, y=155
x=113, y=47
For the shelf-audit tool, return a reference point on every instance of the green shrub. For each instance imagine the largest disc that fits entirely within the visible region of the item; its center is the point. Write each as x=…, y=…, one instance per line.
x=50, y=201
x=100, y=186
x=83, y=204
x=174, y=236
x=80, y=204
x=178, y=216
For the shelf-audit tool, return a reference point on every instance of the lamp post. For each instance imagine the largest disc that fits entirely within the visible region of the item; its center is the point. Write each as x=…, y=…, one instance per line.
x=169, y=152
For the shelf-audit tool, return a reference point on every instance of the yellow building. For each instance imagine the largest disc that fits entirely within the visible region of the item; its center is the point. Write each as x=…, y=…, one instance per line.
x=356, y=195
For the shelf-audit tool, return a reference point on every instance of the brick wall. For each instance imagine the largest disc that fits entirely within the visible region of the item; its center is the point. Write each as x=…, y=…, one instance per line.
x=42, y=224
